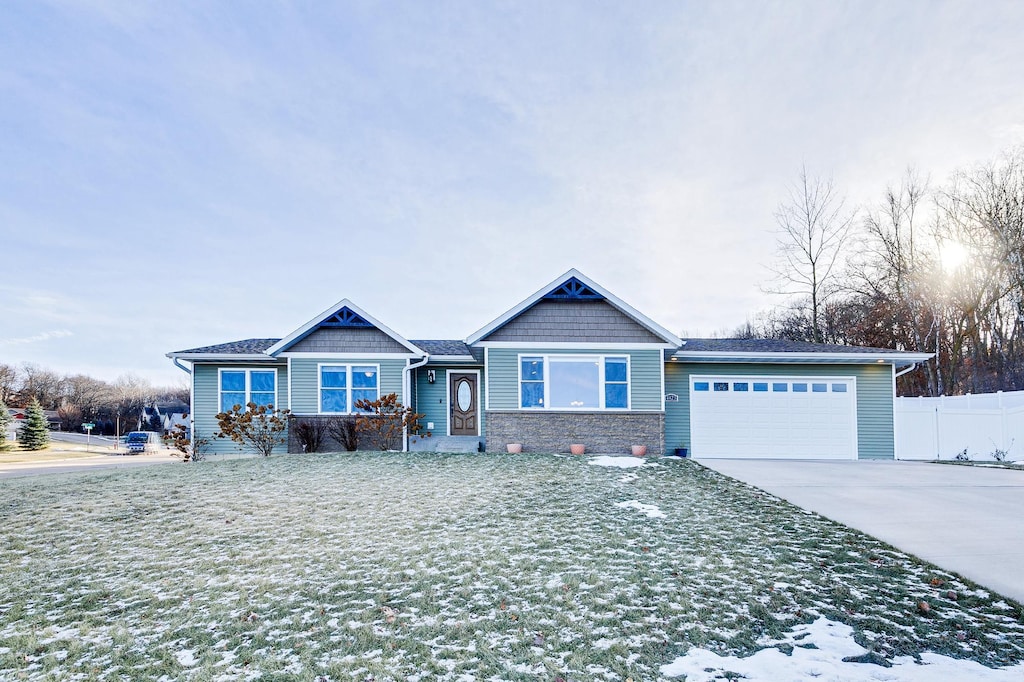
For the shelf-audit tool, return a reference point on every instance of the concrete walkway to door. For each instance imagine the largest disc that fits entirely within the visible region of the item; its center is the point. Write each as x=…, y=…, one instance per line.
x=965, y=519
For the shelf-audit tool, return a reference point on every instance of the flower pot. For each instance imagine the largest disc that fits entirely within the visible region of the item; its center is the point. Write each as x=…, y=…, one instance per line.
x=577, y=448
x=680, y=452
x=639, y=450
x=514, y=448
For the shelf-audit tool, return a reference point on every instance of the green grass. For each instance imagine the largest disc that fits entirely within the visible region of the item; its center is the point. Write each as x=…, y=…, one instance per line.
x=424, y=566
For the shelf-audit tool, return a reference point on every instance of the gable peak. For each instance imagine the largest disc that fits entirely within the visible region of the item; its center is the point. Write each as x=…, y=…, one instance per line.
x=573, y=289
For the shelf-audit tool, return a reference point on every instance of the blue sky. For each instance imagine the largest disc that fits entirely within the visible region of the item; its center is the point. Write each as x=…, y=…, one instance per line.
x=180, y=174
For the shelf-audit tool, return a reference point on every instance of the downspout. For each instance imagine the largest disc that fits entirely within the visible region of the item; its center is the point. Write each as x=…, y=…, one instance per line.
x=407, y=387
x=908, y=369
x=191, y=399
x=895, y=376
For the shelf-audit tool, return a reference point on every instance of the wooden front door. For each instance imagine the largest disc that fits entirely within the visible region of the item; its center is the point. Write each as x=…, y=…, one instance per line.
x=462, y=404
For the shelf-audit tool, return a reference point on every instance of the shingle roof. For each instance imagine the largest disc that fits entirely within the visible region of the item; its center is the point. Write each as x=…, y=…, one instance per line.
x=243, y=347
x=442, y=346
x=773, y=346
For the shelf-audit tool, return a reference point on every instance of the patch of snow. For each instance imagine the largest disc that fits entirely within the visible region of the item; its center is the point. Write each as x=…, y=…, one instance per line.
x=650, y=510
x=834, y=642
x=186, y=658
x=617, y=462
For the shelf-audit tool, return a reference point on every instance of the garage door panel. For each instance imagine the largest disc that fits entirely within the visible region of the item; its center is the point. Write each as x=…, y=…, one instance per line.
x=794, y=418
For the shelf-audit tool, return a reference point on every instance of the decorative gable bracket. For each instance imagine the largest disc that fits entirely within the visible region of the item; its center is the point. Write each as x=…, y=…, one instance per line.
x=345, y=318
x=573, y=290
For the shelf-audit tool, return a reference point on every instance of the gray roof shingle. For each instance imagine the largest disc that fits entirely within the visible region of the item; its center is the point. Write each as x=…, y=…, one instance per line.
x=243, y=347
x=442, y=347
x=773, y=346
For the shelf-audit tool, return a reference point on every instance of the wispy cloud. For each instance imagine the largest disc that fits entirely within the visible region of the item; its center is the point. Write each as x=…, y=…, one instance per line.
x=38, y=338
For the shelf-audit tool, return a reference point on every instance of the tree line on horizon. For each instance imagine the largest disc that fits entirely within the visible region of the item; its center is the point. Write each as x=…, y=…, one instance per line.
x=927, y=268
x=79, y=398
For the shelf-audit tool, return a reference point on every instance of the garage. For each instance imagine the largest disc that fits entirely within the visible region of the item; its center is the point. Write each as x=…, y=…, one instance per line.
x=799, y=417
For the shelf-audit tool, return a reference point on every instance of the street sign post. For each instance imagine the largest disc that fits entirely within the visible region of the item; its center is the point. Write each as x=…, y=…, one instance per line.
x=88, y=426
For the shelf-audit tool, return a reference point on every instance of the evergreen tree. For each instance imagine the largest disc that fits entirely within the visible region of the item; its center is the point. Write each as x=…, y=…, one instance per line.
x=5, y=423
x=35, y=432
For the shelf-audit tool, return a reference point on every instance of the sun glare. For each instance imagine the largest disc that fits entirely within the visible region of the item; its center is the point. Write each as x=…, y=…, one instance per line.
x=952, y=255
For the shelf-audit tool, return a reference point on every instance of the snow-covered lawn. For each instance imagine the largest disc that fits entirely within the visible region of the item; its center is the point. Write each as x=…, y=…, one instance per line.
x=420, y=566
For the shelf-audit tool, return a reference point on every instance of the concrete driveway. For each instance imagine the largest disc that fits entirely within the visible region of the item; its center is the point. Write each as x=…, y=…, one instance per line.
x=969, y=520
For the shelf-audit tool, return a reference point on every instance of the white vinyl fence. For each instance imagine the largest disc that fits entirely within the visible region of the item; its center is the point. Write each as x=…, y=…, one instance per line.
x=941, y=428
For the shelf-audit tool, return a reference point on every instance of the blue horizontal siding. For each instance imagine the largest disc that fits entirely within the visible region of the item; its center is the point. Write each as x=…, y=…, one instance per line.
x=645, y=375
x=305, y=382
x=206, y=396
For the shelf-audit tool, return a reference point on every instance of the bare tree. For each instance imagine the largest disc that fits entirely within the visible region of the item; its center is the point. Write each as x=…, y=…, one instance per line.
x=9, y=383
x=40, y=384
x=813, y=227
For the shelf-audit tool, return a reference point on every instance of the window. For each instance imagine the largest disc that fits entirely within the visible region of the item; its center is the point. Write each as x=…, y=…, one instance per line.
x=574, y=382
x=839, y=388
x=531, y=382
x=740, y=386
x=799, y=388
x=616, y=383
x=760, y=387
x=342, y=385
x=819, y=388
x=700, y=385
x=244, y=386
x=364, y=385
x=721, y=385
x=780, y=388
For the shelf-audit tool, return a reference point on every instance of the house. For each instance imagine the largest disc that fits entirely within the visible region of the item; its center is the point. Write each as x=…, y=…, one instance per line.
x=20, y=414
x=168, y=414
x=572, y=362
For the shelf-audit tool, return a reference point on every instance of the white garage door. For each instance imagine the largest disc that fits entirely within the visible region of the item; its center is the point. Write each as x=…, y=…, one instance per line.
x=773, y=417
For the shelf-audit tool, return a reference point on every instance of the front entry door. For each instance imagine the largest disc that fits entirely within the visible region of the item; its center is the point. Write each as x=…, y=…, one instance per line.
x=463, y=408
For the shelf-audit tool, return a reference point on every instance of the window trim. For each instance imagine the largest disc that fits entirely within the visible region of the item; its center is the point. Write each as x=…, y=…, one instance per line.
x=247, y=371
x=547, y=358
x=348, y=384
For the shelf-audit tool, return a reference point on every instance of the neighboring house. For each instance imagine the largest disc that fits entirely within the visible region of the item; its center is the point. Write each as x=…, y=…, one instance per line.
x=168, y=414
x=573, y=362
x=19, y=415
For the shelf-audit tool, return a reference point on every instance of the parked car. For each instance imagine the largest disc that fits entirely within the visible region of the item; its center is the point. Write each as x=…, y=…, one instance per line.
x=138, y=442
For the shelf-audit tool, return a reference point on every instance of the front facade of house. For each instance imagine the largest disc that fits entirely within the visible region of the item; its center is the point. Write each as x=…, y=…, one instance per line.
x=572, y=363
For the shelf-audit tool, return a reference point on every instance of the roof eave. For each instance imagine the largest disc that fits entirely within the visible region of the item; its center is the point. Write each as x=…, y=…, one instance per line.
x=247, y=357
x=897, y=358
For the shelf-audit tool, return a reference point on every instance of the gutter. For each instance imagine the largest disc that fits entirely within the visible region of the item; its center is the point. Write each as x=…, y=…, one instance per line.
x=406, y=388
x=904, y=371
x=183, y=368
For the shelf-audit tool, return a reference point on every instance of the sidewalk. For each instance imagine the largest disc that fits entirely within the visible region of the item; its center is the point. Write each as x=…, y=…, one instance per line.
x=78, y=464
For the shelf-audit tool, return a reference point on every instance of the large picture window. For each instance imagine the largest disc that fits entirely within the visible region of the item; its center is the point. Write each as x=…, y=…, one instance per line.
x=341, y=386
x=574, y=382
x=244, y=386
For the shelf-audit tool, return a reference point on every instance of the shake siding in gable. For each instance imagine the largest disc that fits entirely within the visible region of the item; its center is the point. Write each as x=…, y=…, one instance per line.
x=359, y=340
x=874, y=399
x=590, y=321
x=502, y=375
x=306, y=383
x=207, y=395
